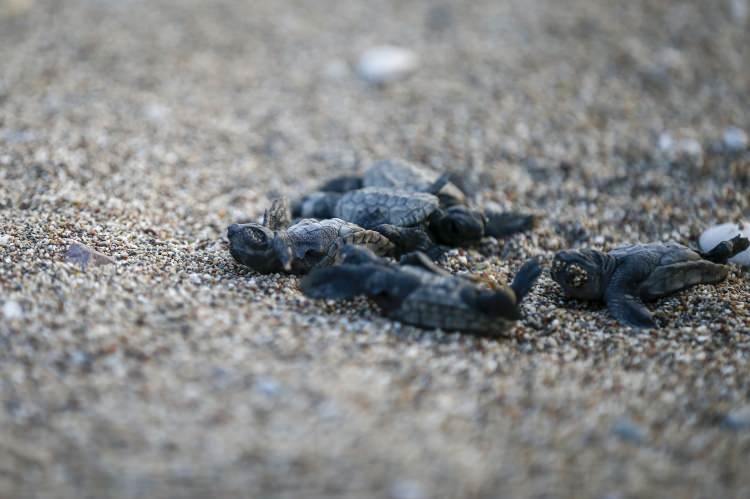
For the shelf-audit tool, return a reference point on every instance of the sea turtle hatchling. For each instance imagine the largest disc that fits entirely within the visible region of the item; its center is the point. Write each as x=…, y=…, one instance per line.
x=627, y=277
x=400, y=194
x=419, y=293
x=275, y=246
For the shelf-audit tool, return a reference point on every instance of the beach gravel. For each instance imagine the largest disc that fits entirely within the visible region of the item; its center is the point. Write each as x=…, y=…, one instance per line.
x=142, y=129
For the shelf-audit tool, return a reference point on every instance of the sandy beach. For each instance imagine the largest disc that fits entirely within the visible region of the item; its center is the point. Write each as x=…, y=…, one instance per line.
x=144, y=128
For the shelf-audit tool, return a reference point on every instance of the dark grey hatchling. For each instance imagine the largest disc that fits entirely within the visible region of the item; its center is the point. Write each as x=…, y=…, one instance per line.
x=415, y=208
x=627, y=277
x=275, y=246
x=418, y=292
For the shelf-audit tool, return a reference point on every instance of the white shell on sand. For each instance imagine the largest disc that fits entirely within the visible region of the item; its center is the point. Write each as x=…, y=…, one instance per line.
x=718, y=233
x=386, y=63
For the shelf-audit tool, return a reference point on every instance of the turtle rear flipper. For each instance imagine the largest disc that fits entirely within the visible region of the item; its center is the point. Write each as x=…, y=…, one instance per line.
x=507, y=223
x=278, y=216
x=723, y=251
x=525, y=278
x=668, y=279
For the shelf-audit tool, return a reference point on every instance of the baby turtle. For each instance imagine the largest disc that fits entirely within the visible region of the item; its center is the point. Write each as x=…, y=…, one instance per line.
x=400, y=194
x=418, y=292
x=400, y=174
x=626, y=277
x=275, y=246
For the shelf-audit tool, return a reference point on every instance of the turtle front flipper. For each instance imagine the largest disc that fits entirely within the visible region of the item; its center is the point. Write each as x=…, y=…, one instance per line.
x=344, y=183
x=668, y=279
x=410, y=239
x=525, y=278
x=630, y=311
x=726, y=250
x=340, y=282
x=386, y=285
x=439, y=183
x=419, y=259
x=623, y=298
x=319, y=204
x=507, y=223
x=278, y=216
x=500, y=303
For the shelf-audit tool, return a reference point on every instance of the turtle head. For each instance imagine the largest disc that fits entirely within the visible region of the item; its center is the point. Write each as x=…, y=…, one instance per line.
x=581, y=273
x=457, y=226
x=256, y=246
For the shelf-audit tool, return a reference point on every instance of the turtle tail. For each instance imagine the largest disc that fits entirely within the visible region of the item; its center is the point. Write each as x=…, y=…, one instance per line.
x=726, y=250
x=525, y=278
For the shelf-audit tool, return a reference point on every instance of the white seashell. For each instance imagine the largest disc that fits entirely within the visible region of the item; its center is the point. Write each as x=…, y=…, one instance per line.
x=724, y=232
x=386, y=63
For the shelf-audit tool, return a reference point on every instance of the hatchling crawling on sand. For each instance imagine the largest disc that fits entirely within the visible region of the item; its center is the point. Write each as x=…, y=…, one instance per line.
x=277, y=246
x=407, y=199
x=627, y=277
x=418, y=292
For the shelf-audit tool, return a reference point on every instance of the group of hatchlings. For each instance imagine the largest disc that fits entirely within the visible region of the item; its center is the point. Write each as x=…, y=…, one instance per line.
x=350, y=233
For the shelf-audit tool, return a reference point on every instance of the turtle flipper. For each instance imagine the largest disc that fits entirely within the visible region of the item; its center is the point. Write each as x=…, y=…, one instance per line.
x=383, y=283
x=319, y=204
x=439, y=183
x=630, y=310
x=410, y=239
x=344, y=183
x=500, y=303
x=278, y=216
x=419, y=259
x=525, y=278
x=507, y=223
x=340, y=282
x=354, y=254
x=668, y=279
x=726, y=250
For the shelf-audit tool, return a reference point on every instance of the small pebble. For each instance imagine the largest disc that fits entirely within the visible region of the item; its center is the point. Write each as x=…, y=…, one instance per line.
x=4, y=239
x=627, y=430
x=80, y=254
x=724, y=232
x=735, y=139
x=267, y=386
x=677, y=147
x=12, y=310
x=407, y=489
x=386, y=64
x=738, y=419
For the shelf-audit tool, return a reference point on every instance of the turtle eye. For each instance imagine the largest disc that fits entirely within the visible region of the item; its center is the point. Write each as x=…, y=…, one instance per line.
x=257, y=237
